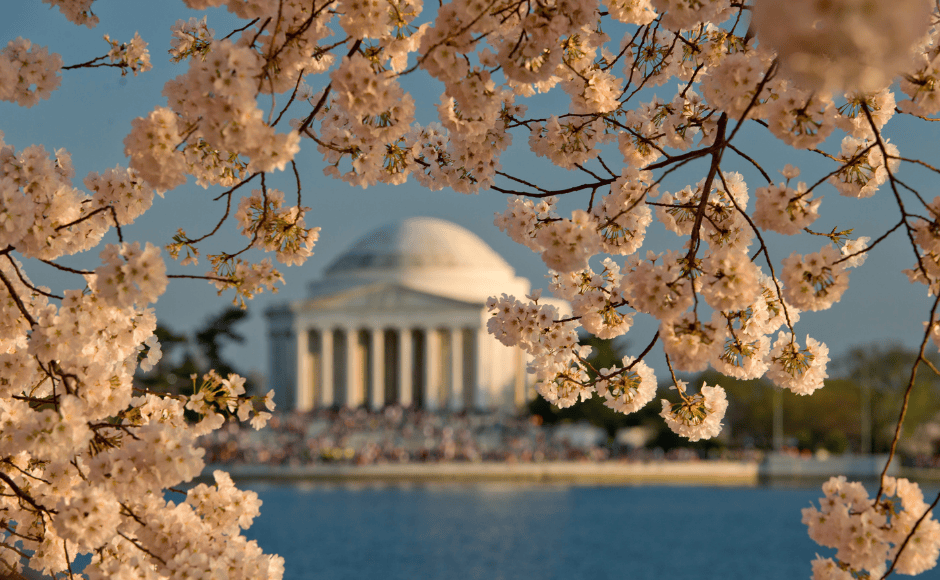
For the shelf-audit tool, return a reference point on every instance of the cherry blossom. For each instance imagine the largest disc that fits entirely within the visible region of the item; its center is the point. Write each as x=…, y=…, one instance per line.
x=815, y=281
x=85, y=454
x=801, y=370
x=696, y=416
x=866, y=533
x=630, y=389
x=844, y=43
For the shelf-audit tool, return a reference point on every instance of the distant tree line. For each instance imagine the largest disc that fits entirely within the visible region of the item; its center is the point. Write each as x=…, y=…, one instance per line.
x=831, y=419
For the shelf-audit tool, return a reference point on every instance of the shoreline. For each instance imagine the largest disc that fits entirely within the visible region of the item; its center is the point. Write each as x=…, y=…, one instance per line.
x=703, y=472
x=729, y=473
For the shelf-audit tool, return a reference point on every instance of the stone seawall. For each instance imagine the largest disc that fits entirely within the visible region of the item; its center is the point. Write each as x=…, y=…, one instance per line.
x=585, y=473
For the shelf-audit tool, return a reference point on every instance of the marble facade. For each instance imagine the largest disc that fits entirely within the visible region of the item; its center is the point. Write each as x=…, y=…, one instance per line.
x=400, y=318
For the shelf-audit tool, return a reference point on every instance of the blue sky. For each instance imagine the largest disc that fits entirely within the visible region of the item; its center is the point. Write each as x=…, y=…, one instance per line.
x=92, y=111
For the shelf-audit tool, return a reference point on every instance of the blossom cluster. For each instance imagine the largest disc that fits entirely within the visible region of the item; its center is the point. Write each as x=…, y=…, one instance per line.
x=698, y=416
x=28, y=73
x=77, y=11
x=85, y=454
x=276, y=228
x=785, y=210
x=556, y=356
x=843, y=44
x=132, y=55
x=627, y=392
x=866, y=533
x=82, y=457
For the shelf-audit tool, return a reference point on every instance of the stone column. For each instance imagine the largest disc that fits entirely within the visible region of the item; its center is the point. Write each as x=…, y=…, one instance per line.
x=353, y=375
x=326, y=367
x=405, y=366
x=378, y=368
x=456, y=369
x=481, y=379
x=432, y=362
x=304, y=383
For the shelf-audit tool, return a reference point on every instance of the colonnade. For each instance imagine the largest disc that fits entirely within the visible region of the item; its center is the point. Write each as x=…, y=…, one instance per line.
x=433, y=368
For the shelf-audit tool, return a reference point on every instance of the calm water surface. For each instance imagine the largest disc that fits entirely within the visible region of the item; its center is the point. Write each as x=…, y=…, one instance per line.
x=508, y=531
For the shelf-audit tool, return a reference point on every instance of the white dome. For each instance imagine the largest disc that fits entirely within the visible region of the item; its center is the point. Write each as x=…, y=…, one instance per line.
x=429, y=255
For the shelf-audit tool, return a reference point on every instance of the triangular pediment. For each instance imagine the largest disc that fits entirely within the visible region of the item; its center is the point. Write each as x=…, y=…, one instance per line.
x=385, y=298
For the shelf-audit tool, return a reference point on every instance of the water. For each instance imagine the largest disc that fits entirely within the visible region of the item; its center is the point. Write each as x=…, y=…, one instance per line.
x=507, y=531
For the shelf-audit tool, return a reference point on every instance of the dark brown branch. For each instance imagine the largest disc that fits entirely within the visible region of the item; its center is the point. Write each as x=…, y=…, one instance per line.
x=645, y=352
x=68, y=560
x=873, y=244
x=293, y=95
x=243, y=28
x=326, y=92
x=23, y=495
x=65, y=268
x=754, y=163
x=27, y=283
x=93, y=63
x=228, y=208
x=16, y=299
x=197, y=277
x=141, y=548
x=760, y=86
x=894, y=190
x=718, y=148
x=549, y=192
x=907, y=539
x=763, y=249
x=907, y=395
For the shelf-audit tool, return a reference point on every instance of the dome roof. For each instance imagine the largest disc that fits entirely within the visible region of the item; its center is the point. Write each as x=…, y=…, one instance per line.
x=427, y=254
x=418, y=243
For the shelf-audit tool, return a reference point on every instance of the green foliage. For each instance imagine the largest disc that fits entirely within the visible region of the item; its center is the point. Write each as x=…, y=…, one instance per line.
x=836, y=442
x=749, y=418
x=209, y=341
x=165, y=376
x=217, y=330
x=830, y=418
x=815, y=418
x=886, y=369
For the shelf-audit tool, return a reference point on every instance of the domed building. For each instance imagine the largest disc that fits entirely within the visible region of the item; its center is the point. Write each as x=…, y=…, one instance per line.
x=400, y=318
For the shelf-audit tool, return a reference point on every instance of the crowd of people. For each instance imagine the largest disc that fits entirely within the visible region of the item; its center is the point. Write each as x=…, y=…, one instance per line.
x=357, y=436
